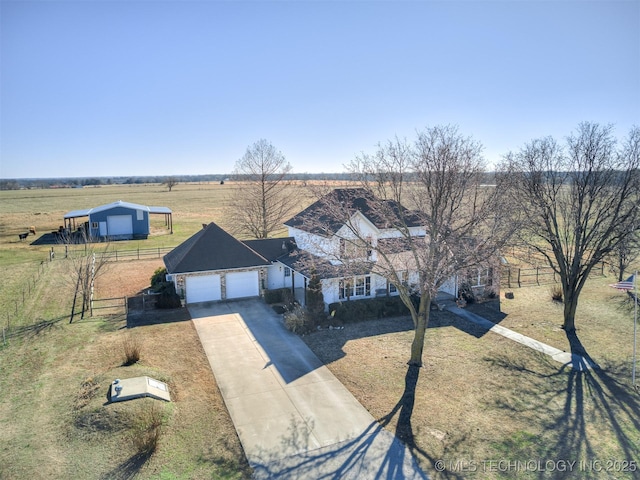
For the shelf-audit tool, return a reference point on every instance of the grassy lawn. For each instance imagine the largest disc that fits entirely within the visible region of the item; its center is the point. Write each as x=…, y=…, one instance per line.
x=55, y=421
x=482, y=401
x=479, y=401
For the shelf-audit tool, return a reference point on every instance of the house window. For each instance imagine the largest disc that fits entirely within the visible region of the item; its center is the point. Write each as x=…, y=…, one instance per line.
x=287, y=272
x=94, y=225
x=404, y=279
x=359, y=286
x=481, y=278
x=356, y=248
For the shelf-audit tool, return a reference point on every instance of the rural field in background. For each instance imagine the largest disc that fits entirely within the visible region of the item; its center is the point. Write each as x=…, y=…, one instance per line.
x=480, y=398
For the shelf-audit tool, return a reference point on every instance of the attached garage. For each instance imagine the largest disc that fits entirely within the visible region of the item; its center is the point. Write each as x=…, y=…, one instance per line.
x=213, y=265
x=203, y=288
x=243, y=284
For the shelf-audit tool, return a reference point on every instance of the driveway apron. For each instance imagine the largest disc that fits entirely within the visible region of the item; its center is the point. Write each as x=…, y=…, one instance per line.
x=293, y=417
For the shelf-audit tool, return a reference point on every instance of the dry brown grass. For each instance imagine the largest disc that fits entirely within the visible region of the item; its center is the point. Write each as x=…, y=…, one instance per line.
x=131, y=347
x=55, y=421
x=481, y=397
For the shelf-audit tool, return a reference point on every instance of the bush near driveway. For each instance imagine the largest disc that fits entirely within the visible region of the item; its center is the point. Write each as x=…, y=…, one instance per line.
x=367, y=309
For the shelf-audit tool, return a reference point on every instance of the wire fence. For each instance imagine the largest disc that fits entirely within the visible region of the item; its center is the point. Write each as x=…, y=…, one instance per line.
x=15, y=319
x=14, y=307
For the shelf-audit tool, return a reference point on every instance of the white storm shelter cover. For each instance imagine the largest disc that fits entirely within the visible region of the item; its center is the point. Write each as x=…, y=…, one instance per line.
x=120, y=225
x=203, y=288
x=243, y=284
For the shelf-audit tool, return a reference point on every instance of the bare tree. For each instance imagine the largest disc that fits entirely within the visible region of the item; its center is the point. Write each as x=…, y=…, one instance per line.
x=262, y=204
x=580, y=201
x=448, y=222
x=625, y=253
x=170, y=182
x=85, y=266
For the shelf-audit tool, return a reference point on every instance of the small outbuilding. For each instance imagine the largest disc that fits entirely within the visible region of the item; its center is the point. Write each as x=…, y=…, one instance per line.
x=115, y=221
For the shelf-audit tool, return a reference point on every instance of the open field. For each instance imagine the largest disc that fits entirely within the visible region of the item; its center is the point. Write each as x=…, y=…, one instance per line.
x=192, y=204
x=480, y=399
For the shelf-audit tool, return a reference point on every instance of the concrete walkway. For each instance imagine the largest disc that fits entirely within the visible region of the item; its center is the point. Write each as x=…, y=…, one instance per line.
x=575, y=361
x=293, y=417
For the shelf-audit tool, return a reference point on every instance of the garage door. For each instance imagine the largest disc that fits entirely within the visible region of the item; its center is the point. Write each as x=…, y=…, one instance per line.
x=242, y=284
x=203, y=288
x=120, y=224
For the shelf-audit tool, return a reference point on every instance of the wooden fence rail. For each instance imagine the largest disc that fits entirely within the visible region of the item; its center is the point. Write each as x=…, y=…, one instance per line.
x=118, y=255
x=512, y=277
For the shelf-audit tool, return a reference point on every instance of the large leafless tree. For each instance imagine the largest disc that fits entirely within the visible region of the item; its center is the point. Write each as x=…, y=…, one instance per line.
x=262, y=203
x=580, y=200
x=430, y=194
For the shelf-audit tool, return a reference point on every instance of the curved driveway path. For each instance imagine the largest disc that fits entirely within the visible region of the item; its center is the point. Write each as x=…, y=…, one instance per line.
x=293, y=417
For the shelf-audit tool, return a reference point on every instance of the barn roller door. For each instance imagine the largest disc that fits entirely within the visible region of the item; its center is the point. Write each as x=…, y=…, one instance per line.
x=243, y=284
x=203, y=288
x=120, y=225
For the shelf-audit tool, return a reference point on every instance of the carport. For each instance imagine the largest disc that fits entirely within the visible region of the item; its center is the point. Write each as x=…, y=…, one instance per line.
x=114, y=220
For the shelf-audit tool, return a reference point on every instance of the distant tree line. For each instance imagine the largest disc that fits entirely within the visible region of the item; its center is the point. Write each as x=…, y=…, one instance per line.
x=76, y=182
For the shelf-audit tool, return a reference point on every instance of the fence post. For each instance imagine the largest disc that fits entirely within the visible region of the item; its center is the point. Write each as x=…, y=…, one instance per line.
x=509, y=277
x=537, y=275
x=519, y=285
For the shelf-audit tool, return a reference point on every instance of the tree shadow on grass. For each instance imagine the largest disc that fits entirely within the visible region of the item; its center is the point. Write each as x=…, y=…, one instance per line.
x=404, y=428
x=37, y=328
x=129, y=468
x=328, y=345
x=584, y=415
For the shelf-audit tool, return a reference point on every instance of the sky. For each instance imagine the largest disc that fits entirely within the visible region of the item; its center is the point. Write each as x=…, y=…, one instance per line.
x=126, y=88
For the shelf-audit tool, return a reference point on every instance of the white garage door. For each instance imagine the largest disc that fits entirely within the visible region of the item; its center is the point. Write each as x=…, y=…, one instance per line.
x=242, y=284
x=120, y=224
x=203, y=288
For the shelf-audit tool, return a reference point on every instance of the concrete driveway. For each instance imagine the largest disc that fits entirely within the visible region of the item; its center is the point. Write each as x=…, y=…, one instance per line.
x=293, y=417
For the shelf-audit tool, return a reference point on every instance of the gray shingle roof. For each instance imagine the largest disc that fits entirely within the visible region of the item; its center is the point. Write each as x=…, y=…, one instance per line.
x=272, y=248
x=309, y=265
x=212, y=249
x=318, y=217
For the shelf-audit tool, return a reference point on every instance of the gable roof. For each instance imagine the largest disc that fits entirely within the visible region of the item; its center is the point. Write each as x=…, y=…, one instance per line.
x=212, y=249
x=308, y=265
x=272, y=248
x=133, y=206
x=317, y=218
